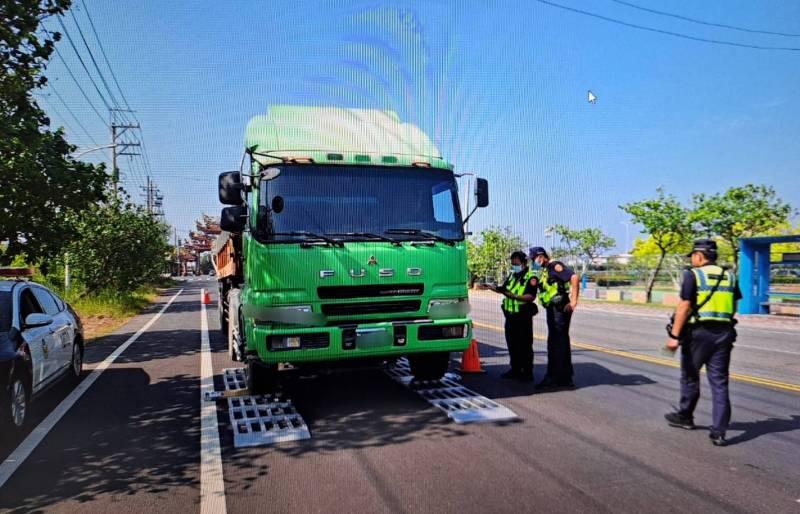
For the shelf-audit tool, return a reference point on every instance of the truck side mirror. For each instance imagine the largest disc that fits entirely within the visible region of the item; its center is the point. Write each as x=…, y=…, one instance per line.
x=482, y=192
x=230, y=188
x=233, y=219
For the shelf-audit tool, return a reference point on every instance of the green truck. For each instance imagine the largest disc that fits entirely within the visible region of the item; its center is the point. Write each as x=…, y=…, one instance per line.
x=343, y=244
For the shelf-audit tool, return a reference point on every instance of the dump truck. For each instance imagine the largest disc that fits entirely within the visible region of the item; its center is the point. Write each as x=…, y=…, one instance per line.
x=342, y=244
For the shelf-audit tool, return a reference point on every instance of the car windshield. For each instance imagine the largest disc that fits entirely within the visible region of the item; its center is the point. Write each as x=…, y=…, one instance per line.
x=359, y=203
x=5, y=311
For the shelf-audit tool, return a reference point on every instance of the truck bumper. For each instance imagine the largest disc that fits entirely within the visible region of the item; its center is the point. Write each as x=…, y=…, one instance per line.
x=383, y=339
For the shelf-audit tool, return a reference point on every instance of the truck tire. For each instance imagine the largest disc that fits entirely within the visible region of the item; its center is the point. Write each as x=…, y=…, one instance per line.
x=221, y=310
x=261, y=378
x=429, y=366
x=231, y=342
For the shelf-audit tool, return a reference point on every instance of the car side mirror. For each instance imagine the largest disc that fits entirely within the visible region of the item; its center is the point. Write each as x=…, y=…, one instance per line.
x=233, y=219
x=38, y=319
x=482, y=192
x=230, y=188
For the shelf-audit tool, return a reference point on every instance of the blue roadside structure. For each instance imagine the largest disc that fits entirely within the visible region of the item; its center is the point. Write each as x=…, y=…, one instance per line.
x=754, y=268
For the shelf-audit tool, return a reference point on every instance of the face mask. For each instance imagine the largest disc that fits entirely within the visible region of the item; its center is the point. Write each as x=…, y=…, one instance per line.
x=536, y=265
x=516, y=268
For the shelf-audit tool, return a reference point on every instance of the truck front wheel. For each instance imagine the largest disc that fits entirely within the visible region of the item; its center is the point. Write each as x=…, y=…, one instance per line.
x=429, y=366
x=261, y=378
x=222, y=311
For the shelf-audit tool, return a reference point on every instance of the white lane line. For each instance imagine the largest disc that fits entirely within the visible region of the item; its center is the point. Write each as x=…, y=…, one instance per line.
x=212, y=485
x=24, y=450
x=761, y=349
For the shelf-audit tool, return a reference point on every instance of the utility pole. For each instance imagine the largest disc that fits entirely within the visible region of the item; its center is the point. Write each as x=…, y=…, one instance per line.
x=153, y=198
x=120, y=148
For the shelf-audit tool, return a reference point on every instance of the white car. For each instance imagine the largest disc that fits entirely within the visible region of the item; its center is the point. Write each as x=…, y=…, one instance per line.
x=41, y=342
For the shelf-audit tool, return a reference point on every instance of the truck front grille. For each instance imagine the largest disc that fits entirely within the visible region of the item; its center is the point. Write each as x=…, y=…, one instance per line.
x=354, y=309
x=370, y=291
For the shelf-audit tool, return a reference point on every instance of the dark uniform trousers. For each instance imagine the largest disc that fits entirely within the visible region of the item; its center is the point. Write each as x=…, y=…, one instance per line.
x=559, y=354
x=519, y=339
x=709, y=346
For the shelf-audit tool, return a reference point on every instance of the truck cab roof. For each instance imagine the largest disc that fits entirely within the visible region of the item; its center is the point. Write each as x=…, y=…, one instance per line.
x=335, y=135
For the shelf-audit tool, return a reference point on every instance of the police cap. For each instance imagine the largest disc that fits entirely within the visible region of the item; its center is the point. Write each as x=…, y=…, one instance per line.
x=535, y=251
x=705, y=246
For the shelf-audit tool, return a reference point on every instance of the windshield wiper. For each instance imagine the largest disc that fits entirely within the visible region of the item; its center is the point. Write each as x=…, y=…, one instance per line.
x=369, y=235
x=421, y=233
x=309, y=235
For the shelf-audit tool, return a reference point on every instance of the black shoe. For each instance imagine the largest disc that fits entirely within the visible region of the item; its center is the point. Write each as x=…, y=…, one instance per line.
x=510, y=374
x=525, y=377
x=717, y=439
x=675, y=419
x=566, y=385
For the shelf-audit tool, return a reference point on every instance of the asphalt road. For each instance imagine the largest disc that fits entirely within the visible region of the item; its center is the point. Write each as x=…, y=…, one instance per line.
x=132, y=441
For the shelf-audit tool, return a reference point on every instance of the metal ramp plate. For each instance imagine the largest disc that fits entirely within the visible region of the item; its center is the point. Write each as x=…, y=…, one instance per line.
x=460, y=404
x=261, y=419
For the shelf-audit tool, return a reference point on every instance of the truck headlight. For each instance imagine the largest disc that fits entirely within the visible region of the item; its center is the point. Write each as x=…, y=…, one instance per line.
x=443, y=308
x=445, y=301
x=296, y=308
x=284, y=342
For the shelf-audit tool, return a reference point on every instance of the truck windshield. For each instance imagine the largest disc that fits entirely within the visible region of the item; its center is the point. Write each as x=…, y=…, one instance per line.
x=360, y=203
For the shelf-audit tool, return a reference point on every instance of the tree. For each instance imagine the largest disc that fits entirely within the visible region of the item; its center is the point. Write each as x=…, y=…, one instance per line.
x=205, y=263
x=41, y=184
x=746, y=211
x=489, y=255
x=119, y=248
x=646, y=255
x=585, y=244
x=667, y=223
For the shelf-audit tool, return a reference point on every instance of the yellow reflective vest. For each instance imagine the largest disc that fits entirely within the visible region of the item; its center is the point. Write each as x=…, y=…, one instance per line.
x=516, y=286
x=722, y=304
x=548, y=289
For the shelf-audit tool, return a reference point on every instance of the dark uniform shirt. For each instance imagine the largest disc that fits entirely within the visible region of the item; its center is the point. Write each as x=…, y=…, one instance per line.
x=689, y=288
x=559, y=272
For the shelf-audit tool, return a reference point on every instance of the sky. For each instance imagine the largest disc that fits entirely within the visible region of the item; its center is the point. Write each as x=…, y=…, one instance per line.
x=501, y=88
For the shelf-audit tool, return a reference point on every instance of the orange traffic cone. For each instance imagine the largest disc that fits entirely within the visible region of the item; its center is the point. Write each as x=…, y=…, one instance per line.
x=471, y=360
x=206, y=298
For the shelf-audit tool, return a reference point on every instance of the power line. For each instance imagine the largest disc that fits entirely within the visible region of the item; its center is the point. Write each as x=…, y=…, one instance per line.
x=667, y=32
x=702, y=22
x=52, y=108
x=75, y=80
x=85, y=68
x=77, y=120
x=94, y=61
x=103, y=52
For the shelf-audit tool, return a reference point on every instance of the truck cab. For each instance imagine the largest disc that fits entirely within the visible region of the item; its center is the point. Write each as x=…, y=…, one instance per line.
x=344, y=242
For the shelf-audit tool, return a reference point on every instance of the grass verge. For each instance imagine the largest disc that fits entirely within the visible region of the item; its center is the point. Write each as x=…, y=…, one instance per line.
x=105, y=312
x=632, y=304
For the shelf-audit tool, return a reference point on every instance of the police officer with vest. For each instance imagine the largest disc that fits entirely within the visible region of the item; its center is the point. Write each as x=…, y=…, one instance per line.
x=703, y=326
x=519, y=290
x=559, y=288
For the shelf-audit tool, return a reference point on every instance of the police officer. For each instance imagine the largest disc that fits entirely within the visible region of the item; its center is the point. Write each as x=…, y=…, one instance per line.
x=559, y=288
x=704, y=328
x=519, y=290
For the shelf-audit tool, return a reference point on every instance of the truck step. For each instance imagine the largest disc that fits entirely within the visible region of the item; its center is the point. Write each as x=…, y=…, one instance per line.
x=460, y=404
x=258, y=420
